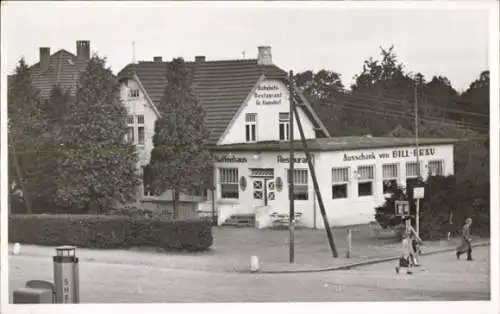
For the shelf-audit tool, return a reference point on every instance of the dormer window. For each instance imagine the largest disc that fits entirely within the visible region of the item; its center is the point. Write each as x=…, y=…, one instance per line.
x=133, y=93
x=251, y=127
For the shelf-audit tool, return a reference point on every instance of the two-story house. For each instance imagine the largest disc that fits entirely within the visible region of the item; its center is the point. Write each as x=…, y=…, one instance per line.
x=247, y=114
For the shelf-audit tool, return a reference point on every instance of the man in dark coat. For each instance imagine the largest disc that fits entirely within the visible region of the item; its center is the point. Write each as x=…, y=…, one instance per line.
x=465, y=246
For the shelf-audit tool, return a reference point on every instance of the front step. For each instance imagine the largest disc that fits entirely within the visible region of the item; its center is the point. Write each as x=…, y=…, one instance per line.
x=240, y=220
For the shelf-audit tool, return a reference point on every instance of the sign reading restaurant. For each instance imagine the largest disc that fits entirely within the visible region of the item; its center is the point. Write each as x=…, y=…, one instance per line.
x=268, y=94
x=397, y=153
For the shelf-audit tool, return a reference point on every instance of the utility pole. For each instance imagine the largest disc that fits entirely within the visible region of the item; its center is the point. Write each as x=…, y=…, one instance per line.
x=19, y=175
x=291, y=218
x=316, y=186
x=417, y=218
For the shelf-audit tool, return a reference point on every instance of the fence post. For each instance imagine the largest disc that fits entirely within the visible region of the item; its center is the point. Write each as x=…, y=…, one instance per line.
x=349, y=243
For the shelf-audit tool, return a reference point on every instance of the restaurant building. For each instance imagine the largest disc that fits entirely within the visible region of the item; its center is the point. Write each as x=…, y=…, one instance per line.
x=246, y=105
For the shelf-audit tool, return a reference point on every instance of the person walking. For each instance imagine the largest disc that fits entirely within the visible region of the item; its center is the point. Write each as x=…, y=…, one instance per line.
x=410, y=244
x=465, y=246
x=450, y=226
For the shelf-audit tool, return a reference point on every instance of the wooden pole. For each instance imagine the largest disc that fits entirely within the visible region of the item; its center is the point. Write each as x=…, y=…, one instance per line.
x=316, y=186
x=291, y=218
x=19, y=176
x=349, y=243
x=417, y=221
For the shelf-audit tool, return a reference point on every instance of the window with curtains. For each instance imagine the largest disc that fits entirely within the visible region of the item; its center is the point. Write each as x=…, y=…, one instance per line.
x=284, y=126
x=365, y=175
x=228, y=183
x=436, y=167
x=129, y=137
x=251, y=127
x=140, y=129
x=340, y=182
x=390, y=173
x=300, y=184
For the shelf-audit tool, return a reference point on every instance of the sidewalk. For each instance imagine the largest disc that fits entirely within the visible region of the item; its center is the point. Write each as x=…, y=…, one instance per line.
x=342, y=263
x=233, y=248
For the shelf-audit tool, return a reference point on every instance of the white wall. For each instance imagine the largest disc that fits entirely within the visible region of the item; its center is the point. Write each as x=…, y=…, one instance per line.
x=352, y=210
x=267, y=116
x=355, y=209
x=138, y=106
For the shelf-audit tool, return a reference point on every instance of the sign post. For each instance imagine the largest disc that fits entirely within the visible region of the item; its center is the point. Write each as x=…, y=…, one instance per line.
x=418, y=193
x=66, y=279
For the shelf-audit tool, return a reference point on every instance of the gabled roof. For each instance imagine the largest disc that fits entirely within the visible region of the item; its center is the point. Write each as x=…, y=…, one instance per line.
x=220, y=86
x=64, y=69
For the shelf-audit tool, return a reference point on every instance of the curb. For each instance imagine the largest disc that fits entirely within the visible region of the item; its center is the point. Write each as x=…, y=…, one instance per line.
x=359, y=264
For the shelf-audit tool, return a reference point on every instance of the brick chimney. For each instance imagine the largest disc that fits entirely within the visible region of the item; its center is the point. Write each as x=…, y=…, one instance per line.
x=264, y=57
x=199, y=59
x=83, y=49
x=157, y=59
x=44, y=58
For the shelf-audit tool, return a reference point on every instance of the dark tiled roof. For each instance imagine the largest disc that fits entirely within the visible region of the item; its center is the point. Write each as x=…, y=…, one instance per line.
x=64, y=69
x=334, y=144
x=221, y=86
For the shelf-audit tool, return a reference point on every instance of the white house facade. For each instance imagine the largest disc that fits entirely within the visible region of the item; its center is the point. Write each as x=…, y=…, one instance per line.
x=352, y=181
x=247, y=106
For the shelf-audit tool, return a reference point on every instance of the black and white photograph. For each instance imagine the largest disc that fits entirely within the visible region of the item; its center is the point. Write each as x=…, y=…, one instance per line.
x=288, y=155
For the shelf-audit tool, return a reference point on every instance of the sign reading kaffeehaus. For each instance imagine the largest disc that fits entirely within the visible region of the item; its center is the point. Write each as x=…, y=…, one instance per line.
x=230, y=159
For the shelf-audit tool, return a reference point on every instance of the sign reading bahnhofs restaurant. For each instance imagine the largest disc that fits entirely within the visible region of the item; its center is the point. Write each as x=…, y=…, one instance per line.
x=268, y=94
x=396, y=153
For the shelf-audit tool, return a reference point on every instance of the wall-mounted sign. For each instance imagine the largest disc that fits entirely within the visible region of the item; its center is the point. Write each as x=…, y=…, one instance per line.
x=397, y=153
x=230, y=159
x=279, y=184
x=268, y=94
x=282, y=159
x=243, y=183
x=402, y=208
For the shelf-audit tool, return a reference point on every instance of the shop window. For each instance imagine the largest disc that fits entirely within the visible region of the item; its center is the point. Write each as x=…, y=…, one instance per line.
x=436, y=167
x=228, y=181
x=340, y=182
x=412, y=174
x=284, y=126
x=365, y=175
x=390, y=177
x=250, y=127
x=300, y=184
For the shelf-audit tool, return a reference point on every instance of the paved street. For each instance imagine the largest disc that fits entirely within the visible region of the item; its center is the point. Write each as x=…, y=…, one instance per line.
x=442, y=278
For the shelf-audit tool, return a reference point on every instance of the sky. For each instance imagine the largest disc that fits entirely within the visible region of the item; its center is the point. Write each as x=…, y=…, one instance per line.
x=430, y=39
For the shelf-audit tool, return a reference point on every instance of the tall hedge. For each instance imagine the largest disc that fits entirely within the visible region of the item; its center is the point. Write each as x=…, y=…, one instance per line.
x=101, y=231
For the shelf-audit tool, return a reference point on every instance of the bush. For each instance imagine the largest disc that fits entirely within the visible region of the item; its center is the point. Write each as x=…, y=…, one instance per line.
x=105, y=231
x=443, y=196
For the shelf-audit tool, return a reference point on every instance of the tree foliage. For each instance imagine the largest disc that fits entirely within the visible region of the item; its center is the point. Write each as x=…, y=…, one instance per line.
x=97, y=167
x=445, y=199
x=24, y=127
x=179, y=159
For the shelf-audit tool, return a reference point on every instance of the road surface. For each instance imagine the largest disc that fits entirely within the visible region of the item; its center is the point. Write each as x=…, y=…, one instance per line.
x=441, y=278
